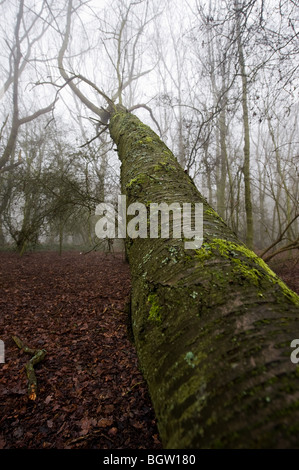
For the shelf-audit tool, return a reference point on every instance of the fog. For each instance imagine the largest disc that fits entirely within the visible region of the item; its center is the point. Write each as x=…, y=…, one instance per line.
x=217, y=80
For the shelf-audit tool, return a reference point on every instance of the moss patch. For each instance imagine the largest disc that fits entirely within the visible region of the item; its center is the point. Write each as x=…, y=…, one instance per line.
x=155, y=310
x=246, y=264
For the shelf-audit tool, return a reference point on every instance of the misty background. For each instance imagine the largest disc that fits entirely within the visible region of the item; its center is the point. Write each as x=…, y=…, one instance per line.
x=217, y=80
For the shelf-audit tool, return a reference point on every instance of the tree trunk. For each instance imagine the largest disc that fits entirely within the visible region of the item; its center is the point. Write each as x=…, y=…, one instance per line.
x=212, y=326
x=221, y=202
x=246, y=166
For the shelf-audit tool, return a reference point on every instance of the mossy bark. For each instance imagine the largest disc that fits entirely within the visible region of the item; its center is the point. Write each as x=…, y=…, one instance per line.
x=212, y=326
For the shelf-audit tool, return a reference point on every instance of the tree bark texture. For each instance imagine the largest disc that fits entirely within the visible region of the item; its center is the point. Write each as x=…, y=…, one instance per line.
x=212, y=326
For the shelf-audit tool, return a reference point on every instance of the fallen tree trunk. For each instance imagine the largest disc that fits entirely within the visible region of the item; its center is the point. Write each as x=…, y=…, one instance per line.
x=212, y=326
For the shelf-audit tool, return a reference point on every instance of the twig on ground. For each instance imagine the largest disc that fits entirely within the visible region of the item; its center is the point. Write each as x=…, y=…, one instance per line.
x=38, y=356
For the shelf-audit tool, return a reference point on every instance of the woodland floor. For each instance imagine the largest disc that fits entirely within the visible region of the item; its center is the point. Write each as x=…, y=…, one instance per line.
x=91, y=394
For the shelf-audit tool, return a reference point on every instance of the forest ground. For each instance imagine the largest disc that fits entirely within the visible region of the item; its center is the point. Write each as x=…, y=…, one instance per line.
x=91, y=393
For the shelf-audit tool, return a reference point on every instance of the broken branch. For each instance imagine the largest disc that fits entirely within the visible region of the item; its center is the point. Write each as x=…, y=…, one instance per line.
x=38, y=356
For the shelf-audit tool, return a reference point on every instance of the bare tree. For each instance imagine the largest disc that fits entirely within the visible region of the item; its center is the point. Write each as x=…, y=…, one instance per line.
x=18, y=60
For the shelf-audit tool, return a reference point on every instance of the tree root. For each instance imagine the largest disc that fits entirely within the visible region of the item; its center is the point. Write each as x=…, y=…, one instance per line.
x=38, y=356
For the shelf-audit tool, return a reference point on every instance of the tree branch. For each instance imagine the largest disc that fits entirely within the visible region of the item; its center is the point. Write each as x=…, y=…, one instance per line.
x=279, y=239
x=136, y=106
x=99, y=111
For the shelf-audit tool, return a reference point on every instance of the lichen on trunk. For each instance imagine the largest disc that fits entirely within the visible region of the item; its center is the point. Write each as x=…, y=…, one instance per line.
x=212, y=326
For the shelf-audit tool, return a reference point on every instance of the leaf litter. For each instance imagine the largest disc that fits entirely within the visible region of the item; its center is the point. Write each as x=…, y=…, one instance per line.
x=90, y=391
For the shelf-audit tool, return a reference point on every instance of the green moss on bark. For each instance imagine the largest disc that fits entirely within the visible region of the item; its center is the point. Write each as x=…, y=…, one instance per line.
x=155, y=309
x=213, y=326
x=246, y=264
